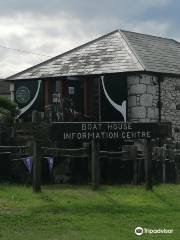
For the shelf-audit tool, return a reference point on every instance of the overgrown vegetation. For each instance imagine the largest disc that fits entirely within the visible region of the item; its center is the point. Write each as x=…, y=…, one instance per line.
x=78, y=213
x=8, y=109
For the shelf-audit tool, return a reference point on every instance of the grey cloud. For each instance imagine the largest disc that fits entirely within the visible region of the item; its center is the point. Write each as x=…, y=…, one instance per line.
x=82, y=8
x=55, y=26
x=95, y=15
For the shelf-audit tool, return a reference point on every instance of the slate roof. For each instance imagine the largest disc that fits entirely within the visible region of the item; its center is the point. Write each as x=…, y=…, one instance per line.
x=118, y=51
x=156, y=54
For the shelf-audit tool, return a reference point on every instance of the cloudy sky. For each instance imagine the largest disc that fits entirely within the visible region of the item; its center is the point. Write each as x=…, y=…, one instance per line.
x=51, y=27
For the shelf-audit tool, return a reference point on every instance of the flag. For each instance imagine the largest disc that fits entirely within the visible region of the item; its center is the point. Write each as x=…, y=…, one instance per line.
x=50, y=163
x=28, y=161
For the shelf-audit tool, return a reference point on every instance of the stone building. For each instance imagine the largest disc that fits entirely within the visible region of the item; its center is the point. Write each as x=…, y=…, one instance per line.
x=121, y=76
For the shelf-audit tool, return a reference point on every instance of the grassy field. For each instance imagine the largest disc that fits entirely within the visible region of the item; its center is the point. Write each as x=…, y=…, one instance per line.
x=69, y=212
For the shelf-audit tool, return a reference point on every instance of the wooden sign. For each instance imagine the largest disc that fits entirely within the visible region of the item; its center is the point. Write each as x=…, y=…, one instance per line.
x=87, y=131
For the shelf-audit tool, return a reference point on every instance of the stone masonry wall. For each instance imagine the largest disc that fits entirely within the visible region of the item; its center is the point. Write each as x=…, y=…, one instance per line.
x=170, y=99
x=142, y=98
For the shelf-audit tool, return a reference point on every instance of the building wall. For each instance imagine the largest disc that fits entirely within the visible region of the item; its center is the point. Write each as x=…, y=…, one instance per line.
x=143, y=98
x=170, y=98
x=4, y=89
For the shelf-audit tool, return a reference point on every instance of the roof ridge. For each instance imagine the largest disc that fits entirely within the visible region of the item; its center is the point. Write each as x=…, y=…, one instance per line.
x=149, y=35
x=132, y=49
x=61, y=55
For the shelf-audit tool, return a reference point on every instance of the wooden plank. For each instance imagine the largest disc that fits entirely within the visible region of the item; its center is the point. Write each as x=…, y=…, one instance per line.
x=64, y=151
x=5, y=147
x=1, y=153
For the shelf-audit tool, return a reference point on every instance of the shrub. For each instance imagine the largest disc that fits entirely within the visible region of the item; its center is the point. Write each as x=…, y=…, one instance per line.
x=8, y=109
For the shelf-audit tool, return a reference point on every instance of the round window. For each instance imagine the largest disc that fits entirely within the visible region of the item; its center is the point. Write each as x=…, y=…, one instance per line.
x=22, y=95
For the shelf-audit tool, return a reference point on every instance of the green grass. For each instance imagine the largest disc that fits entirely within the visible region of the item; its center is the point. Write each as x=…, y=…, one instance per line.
x=78, y=213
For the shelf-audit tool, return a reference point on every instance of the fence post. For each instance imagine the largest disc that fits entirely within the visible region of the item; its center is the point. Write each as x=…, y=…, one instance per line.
x=164, y=165
x=133, y=157
x=0, y=134
x=36, y=167
x=86, y=146
x=36, y=157
x=176, y=166
x=148, y=164
x=95, y=164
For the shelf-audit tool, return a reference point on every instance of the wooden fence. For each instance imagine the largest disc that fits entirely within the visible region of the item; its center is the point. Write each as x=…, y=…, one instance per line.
x=165, y=160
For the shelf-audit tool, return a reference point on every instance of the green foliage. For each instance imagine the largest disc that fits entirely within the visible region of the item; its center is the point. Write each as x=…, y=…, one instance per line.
x=8, y=109
x=78, y=213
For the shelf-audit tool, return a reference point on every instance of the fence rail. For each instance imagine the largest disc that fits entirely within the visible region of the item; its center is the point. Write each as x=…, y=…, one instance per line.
x=166, y=159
